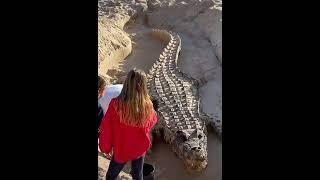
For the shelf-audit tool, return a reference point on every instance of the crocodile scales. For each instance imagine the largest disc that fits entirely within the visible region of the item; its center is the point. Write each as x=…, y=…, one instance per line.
x=179, y=116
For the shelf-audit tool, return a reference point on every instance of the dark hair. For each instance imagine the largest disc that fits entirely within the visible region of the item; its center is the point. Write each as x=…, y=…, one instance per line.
x=101, y=83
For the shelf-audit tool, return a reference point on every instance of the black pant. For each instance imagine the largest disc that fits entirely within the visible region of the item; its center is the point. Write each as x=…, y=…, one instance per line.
x=136, y=169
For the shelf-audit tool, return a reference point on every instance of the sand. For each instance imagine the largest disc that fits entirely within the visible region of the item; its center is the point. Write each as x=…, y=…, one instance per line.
x=146, y=49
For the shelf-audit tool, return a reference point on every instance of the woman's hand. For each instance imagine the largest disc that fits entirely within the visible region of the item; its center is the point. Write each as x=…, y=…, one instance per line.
x=109, y=156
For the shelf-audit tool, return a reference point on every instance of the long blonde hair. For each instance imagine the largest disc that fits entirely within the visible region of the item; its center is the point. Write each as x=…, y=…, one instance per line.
x=134, y=105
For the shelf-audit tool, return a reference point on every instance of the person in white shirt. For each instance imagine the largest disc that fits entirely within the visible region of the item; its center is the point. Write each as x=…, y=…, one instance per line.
x=111, y=91
x=106, y=93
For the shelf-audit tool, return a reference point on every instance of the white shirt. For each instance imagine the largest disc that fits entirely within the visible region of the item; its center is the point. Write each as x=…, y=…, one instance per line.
x=110, y=92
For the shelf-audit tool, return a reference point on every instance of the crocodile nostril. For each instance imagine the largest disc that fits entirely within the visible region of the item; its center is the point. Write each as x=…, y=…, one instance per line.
x=199, y=147
x=194, y=148
x=184, y=138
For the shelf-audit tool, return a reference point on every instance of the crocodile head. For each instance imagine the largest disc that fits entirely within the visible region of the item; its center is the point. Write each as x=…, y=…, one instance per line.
x=191, y=147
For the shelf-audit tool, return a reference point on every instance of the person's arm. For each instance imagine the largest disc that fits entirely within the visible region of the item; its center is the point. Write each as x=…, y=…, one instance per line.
x=152, y=122
x=105, y=138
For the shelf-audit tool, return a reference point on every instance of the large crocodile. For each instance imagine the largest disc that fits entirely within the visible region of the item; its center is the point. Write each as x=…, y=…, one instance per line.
x=179, y=113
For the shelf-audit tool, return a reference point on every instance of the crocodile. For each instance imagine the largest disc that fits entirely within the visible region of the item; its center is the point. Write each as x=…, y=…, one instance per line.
x=179, y=118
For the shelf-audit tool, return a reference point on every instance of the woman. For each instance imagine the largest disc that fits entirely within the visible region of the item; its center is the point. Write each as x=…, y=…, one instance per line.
x=126, y=126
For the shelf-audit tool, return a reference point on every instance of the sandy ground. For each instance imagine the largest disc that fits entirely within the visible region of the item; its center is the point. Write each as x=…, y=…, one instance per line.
x=146, y=49
x=212, y=93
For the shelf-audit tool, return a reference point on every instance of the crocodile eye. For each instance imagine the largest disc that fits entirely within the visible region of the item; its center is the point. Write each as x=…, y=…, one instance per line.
x=182, y=136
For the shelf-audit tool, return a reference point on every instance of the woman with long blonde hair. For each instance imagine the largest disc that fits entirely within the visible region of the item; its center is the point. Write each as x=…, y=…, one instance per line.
x=126, y=126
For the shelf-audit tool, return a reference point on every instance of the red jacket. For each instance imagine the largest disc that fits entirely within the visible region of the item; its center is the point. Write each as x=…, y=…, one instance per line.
x=127, y=142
